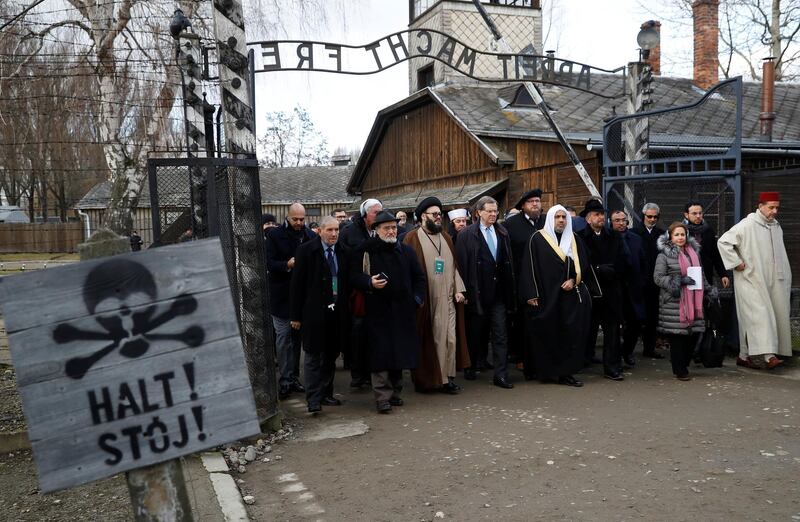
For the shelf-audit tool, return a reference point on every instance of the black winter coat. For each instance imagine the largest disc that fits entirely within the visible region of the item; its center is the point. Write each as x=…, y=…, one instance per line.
x=636, y=277
x=607, y=256
x=520, y=231
x=486, y=279
x=312, y=293
x=353, y=234
x=710, y=258
x=280, y=246
x=391, y=312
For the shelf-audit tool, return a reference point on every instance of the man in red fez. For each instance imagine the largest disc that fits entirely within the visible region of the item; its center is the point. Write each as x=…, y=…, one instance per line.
x=754, y=249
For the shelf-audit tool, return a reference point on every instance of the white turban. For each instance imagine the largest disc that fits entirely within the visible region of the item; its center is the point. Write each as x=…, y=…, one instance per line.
x=457, y=213
x=549, y=228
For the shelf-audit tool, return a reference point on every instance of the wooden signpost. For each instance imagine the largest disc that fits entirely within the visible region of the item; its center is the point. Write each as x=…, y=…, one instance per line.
x=127, y=361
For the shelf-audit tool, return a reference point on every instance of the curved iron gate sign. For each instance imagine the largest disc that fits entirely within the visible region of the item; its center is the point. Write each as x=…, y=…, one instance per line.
x=305, y=55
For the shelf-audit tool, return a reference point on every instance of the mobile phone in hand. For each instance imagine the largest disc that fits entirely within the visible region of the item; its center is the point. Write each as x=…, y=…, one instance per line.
x=383, y=276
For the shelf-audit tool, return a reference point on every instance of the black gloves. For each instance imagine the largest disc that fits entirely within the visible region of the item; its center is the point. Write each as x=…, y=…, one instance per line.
x=686, y=281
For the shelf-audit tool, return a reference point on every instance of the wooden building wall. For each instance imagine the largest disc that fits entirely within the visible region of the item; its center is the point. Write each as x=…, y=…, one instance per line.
x=40, y=237
x=426, y=148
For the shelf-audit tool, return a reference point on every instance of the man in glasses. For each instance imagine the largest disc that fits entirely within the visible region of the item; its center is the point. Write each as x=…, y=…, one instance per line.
x=633, y=309
x=649, y=231
x=443, y=350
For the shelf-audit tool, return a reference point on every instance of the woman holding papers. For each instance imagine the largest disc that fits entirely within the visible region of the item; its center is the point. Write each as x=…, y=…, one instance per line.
x=679, y=275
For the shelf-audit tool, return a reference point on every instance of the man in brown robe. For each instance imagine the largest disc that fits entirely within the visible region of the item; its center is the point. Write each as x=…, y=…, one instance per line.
x=440, y=322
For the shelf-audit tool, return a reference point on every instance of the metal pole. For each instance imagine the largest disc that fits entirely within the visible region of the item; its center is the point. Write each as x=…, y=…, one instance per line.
x=536, y=94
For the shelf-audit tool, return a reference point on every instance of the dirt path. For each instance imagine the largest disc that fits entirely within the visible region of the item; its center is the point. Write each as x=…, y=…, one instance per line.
x=724, y=446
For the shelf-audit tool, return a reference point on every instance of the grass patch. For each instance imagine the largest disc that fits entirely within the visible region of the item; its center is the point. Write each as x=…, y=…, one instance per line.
x=37, y=256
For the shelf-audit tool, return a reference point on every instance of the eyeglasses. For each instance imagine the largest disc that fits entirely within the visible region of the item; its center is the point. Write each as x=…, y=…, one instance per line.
x=646, y=216
x=434, y=214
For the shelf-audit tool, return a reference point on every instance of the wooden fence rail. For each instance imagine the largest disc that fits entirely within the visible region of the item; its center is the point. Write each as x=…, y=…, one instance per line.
x=40, y=237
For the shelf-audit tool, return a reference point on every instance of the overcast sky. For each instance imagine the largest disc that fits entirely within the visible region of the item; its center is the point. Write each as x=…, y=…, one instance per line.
x=343, y=107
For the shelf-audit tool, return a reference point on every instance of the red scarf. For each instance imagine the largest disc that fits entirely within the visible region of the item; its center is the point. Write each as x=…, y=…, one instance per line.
x=691, y=304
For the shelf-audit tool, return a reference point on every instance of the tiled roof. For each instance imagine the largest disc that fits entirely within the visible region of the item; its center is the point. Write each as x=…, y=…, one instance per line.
x=278, y=186
x=449, y=196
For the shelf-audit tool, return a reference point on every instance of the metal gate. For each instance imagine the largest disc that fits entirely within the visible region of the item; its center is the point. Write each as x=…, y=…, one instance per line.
x=222, y=197
x=676, y=155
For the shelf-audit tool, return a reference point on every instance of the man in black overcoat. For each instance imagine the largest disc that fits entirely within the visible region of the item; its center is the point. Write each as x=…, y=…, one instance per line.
x=318, y=304
x=351, y=236
x=486, y=265
x=633, y=282
x=521, y=226
x=649, y=231
x=280, y=245
x=395, y=287
x=553, y=278
x=607, y=257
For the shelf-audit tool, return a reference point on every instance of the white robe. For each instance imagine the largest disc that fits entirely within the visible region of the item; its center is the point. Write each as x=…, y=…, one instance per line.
x=763, y=288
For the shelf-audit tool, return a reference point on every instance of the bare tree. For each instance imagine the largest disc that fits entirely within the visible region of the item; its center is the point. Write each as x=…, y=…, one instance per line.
x=749, y=31
x=292, y=140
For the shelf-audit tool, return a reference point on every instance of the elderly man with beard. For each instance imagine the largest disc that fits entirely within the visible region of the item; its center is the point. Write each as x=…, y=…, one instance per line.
x=458, y=222
x=440, y=322
x=553, y=278
x=390, y=275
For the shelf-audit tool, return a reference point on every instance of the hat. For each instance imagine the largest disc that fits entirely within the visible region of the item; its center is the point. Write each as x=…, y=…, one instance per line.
x=535, y=193
x=457, y=213
x=384, y=216
x=593, y=205
x=268, y=218
x=769, y=196
x=425, y=204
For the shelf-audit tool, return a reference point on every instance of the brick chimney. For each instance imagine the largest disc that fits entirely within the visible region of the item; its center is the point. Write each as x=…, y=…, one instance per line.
x=654, y=58
x=705, y=14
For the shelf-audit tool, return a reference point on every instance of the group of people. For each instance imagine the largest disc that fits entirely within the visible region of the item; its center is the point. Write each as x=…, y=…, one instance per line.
x=537, y=289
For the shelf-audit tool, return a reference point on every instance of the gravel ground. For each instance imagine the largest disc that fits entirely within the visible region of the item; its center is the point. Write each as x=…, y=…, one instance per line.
x=11, y=416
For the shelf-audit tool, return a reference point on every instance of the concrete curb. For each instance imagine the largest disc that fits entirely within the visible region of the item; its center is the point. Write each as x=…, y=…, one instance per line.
x=14, y=441
x=227, y=492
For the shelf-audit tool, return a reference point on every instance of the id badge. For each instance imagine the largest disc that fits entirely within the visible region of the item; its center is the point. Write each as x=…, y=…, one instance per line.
x=335, y=285
x=438, y=266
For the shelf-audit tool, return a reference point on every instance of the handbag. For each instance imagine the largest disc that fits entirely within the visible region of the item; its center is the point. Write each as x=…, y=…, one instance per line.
x=712, y=349
x=358, y=299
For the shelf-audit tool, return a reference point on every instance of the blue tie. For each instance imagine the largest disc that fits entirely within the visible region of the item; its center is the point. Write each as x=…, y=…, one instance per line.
x=331, y=261
x=490, y=242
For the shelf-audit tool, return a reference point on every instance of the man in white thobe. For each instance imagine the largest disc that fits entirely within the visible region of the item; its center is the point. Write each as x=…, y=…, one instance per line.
x=754, y=249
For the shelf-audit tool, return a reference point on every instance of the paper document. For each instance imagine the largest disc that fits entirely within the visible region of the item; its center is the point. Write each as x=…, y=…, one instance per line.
x=696, y=273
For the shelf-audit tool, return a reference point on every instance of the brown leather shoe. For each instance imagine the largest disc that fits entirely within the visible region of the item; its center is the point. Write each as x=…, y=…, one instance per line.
x=746, y=362
x=773, y=362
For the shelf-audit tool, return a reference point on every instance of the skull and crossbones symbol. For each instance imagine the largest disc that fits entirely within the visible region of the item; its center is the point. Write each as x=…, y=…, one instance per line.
x=119, y=286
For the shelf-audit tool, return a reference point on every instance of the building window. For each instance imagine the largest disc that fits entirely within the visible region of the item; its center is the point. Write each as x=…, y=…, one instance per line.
x=313, y=211
x=425, y=77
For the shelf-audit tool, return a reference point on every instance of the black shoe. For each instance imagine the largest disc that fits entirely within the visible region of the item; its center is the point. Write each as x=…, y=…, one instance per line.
x=530, y=377
x=331, y=401
x=297, y=387
x=314, y=408
x=569, y=380
x=469, y=374
x=358, y=383
x=614, y=376
x=653, y=355
x=500, y=382
x=629, y=360
x=449, y=388
x=396, y=401
x=284, y=392
x=384, y=407
x=452, y=382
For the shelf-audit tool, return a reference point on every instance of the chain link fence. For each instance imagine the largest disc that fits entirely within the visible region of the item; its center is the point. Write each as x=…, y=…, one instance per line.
x=198, y=198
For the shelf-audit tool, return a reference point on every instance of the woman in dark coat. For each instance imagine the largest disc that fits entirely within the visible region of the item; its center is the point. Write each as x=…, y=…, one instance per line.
x=394, y=284
x=680, y=314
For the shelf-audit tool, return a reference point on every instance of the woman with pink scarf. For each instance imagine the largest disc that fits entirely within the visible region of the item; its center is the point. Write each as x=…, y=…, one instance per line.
x=680, y=315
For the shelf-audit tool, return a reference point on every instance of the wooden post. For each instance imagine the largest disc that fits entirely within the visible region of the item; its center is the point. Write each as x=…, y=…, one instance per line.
x=157, y=492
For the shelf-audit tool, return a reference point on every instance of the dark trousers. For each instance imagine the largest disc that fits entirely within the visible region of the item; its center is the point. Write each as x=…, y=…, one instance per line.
x=516, y=336
x=320, y=366
x=632, y=327
x=481, y=328
x=387, y=384
x=650, y=321
x=681, y=348
x=359, y=354
x=603, y=315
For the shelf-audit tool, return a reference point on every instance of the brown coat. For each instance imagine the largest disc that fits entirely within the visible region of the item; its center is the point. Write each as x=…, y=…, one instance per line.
x=428, y=374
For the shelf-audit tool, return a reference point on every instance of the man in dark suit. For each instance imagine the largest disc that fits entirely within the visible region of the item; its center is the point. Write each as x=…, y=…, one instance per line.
x=607, y=256
x=485, y=262
x=280, y=245
x=318, y=305
x=521, y=226
x=649, y=231
x=633, y=308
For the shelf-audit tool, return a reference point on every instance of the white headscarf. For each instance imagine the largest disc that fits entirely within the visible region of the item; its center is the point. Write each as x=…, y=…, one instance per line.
x=549, y=228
